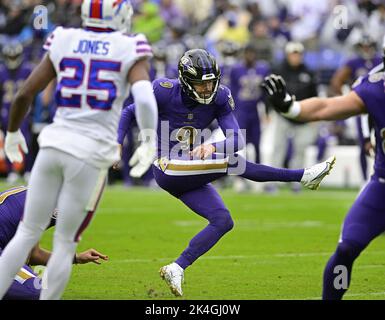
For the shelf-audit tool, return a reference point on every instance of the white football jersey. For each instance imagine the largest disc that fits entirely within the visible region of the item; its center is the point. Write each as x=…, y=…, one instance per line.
x=91, y=68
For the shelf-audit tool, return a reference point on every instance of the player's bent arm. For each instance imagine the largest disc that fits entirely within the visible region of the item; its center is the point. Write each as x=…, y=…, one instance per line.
x=146, y=109
x=336, y=108
x=40, y=77
x=234, y=139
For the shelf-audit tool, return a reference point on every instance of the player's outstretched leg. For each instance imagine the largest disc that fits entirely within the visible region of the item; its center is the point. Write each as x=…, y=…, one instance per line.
x=206, y=202
x=313, y=176
x=310, y=177
x=364, y=222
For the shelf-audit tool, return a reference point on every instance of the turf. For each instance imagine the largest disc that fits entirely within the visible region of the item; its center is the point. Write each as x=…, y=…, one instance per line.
x=277, y=249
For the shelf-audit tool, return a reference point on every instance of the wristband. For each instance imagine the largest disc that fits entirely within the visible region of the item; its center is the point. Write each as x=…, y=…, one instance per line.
x=294, y=110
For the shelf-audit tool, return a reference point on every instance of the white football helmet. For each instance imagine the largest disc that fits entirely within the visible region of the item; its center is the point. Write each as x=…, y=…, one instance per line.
x=113, y=14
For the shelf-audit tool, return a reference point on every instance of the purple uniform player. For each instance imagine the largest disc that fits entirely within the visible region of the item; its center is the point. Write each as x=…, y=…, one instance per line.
x=354, y=68
x=27, y=285
x=186, y=165
x=366, y=218
x=13, y=72
x=245, y=80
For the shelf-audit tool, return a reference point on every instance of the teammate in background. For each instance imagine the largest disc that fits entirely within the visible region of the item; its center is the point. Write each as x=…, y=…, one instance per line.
x=26, y=285
x=186, y=165
x=366, y=59
x=13, y=72
x=244, y=78
x=93, y=67
x=366, y=218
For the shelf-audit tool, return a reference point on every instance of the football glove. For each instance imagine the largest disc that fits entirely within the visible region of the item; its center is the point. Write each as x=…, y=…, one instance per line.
x=13, y=145
x=275, y=88
x=142, y=159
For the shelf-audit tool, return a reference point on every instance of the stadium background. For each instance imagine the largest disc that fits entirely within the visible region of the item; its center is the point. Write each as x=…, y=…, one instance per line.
x=281, y=241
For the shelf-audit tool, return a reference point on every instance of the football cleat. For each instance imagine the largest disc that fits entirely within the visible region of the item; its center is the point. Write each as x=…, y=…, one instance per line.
x=313, y=176
x=173, y=275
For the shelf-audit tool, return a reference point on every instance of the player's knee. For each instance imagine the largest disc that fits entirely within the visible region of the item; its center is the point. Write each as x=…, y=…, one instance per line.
x=349, y=250
x=223, y=222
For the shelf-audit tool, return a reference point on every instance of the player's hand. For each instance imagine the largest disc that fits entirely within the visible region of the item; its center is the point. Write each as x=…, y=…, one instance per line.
x=91, y=255
x=202, y=151
x=14, y=145
x=142, y=159
x=116, y=165
x=275, y=89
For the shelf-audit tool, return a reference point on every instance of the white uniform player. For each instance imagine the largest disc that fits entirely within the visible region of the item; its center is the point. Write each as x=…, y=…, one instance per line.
x=91, y=72
x=93, y=68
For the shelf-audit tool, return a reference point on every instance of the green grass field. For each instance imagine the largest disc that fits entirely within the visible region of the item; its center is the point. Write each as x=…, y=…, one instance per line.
x=277, y=249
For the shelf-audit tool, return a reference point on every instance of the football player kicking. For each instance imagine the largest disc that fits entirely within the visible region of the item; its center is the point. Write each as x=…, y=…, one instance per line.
x=26, y=284
x=366, y=218
x=186, y=165
x=94, y=68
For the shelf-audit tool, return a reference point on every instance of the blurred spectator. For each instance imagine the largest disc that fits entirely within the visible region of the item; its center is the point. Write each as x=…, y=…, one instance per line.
x=148, y=21
x=300, y=82
x=169, y=11
x=231, y=25
x=66, y=13
x=307, y=19
x=261, y=40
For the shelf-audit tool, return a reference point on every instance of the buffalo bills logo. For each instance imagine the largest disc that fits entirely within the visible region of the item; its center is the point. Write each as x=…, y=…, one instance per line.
x=119, y=3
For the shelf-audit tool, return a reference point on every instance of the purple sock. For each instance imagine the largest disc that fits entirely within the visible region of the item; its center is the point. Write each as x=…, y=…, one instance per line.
x=206, y=202
x=261, y=173
x=333, y=288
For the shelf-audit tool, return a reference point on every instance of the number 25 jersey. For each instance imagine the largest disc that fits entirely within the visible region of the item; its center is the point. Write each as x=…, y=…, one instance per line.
x=91, y=67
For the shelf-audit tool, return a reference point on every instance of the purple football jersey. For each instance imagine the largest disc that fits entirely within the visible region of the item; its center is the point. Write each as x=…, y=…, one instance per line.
x=11, y=81
x=372, y=92
x=245, y=85
x=11, y=211
x=361, y=66
x=182, y=121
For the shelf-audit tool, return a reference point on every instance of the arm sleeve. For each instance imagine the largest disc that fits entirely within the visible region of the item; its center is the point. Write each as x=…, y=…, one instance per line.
x=146, y=110
x=234, y=139
x=126, y=119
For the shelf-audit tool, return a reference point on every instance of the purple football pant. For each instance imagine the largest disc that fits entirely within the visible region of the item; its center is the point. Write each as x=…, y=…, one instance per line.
x=23, y=291
x=196, y=192
x=364, y=222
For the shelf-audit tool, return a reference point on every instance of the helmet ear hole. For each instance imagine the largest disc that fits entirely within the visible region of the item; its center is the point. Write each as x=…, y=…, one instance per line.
x=196, y=66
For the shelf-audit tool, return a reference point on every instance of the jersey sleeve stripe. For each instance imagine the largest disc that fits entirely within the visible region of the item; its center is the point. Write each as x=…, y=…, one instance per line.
x=143, y=50
x=141, y=42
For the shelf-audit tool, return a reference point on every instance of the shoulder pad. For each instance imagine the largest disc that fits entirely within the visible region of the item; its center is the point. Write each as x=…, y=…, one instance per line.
x=224, y=97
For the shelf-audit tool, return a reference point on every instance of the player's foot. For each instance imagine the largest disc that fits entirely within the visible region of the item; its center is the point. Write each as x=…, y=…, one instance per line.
x=313, y=176
x=173, y=275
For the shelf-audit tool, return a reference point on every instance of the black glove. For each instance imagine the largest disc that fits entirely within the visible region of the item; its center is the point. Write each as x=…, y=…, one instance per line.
x=275, y=88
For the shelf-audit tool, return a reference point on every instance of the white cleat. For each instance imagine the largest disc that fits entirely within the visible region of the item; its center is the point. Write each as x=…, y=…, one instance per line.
x=173, y=275
x=313, y=176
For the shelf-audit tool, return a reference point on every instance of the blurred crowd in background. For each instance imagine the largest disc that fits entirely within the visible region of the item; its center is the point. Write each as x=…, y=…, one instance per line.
x=320, y=47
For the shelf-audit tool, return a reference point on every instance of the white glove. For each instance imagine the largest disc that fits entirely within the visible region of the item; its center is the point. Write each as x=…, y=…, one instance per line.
x=142, y=159
x=14, y=140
